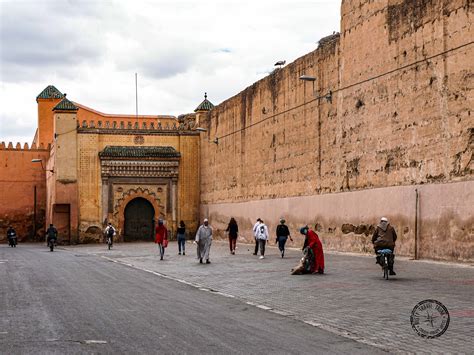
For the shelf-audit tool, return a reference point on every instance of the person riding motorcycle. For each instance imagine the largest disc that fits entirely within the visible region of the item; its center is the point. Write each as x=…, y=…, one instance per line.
x=11, y=235
x=51, y=234
x=384, y=237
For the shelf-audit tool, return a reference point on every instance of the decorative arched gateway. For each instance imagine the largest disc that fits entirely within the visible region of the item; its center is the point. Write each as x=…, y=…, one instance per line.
x=139, y=220
x=139, y=180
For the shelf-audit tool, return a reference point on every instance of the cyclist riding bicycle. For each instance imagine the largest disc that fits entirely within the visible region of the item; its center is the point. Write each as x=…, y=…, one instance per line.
x=384, y=238
x=109, y=233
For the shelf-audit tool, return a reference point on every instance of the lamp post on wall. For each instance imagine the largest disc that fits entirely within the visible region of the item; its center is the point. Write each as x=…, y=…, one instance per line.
x=34, y=213
x=35, y=194
x=42, y=167
x=201, y=129
x=312, y=79
x=328, y=98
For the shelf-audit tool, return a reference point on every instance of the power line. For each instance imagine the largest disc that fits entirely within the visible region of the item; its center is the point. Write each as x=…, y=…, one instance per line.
x=348, y=87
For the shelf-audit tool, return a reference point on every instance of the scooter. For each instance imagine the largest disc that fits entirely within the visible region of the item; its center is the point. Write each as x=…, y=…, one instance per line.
x=12, y=241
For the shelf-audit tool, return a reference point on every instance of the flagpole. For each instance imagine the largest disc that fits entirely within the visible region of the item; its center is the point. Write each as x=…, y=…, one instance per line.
x=136, y=95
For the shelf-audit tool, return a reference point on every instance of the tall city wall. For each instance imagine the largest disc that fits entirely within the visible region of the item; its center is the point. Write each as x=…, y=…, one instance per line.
x=18, y=179
x=389, y=118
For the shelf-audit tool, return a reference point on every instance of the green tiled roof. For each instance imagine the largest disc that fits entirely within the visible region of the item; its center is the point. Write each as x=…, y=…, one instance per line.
x=139, y=152
x=206, y=105
x=50, y=93
x=65, y=105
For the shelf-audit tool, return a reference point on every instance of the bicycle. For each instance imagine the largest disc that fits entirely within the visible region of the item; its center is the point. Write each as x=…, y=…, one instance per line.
x=383, y=257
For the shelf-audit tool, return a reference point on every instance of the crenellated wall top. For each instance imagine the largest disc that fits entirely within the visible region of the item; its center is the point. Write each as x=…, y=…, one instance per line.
x=144, y=127
x=26, y=147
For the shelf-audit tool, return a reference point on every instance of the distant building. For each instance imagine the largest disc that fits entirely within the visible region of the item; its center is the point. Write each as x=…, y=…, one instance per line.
x=97, y=168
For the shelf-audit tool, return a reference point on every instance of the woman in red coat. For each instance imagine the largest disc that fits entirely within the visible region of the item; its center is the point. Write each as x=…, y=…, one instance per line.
x=312, y=242
x=160, y=237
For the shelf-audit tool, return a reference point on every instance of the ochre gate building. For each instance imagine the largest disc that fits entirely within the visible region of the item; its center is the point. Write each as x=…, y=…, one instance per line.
x=97, y=168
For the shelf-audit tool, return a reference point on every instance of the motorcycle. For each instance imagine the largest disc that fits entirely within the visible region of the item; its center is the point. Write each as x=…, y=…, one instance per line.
x=12, y=241
x=51, y=244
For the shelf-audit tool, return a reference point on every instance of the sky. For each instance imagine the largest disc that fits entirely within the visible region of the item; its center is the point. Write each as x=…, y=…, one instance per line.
x=91, y=50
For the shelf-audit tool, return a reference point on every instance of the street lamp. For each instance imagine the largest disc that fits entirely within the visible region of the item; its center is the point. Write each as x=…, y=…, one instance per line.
x=41, y=161
x=34, y=194
x=312, y=79
x=201, y=129
x=307, y=78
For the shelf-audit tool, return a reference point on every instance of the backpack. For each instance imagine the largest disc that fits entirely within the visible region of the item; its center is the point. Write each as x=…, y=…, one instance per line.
x=110, y=232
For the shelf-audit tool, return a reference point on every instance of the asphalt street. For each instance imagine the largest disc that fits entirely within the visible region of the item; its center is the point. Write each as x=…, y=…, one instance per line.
x=68, y=301
x=351, y=299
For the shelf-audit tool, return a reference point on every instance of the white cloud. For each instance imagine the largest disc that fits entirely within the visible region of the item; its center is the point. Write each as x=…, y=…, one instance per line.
x=92, y=50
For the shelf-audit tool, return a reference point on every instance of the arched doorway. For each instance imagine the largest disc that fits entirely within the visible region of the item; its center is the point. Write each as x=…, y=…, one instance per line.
x=139, y=220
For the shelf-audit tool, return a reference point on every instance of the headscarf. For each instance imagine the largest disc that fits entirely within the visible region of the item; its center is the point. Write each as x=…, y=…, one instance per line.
x=383, y=224
x=304, y=230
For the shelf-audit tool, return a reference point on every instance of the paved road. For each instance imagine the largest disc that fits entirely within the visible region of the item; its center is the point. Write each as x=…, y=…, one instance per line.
x=351, y=299
x=72, y=301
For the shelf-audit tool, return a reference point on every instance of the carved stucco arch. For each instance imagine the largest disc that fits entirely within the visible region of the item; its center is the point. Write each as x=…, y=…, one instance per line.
x=119, y=208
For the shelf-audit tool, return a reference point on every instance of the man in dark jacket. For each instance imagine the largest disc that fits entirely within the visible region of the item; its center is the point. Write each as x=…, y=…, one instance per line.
x=51, y=234
x=384, y=238
x=282, y=235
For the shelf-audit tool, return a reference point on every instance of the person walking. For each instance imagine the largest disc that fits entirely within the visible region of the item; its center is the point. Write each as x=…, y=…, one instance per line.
x=181, y=237
x=282, y=235
x=161, y=237
x=255, y=227
x=262, y=236
x=233, y=230
x=204, y=241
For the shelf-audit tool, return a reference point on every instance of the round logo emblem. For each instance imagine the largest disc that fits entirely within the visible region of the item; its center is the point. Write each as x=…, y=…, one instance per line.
x=429, y=319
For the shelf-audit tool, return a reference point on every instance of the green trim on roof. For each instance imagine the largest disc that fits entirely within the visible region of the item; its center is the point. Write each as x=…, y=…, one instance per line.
x=206, y=105
x=65, y=105
x=139, y=152
x=50, y=93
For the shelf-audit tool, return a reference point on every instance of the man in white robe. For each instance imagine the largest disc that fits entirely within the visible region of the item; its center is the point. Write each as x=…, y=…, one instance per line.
x=204, y=241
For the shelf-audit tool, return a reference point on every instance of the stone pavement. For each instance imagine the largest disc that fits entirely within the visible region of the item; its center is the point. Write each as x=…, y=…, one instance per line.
x=351, y=299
